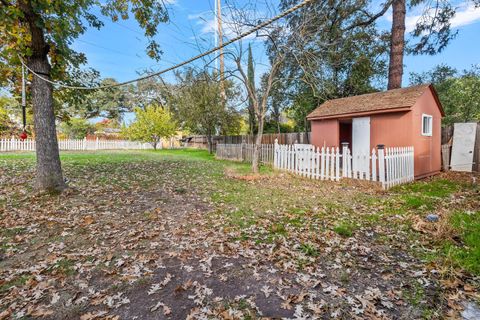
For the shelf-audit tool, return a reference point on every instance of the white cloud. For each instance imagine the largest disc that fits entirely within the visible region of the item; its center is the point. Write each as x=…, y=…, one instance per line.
x=466, y=14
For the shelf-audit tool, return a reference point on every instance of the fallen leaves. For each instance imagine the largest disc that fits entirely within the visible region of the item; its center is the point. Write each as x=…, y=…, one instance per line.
x=5, y=314
x=266, y=291
x=166, y=310
x=87, y=220
x=98, y=315
x=157, y=286
x=39, y=311
x=127, y=239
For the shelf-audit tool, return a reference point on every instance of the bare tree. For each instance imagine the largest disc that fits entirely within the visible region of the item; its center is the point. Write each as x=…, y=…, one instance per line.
x=241, y=18
x=259, y=100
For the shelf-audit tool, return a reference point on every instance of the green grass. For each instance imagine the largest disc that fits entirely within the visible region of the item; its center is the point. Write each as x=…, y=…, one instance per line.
x=424, y=195
x=439, y=188
x=243, y=219
x=11, y=232
x=466, y=252
x=63, y=266
x=283, y=210
x=309, y=250
x=17, y=282
x=113, y=156
x=415, y=293
x=344, y=229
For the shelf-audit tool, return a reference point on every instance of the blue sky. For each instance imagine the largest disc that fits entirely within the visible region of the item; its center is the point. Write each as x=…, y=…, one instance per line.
x=118, y=49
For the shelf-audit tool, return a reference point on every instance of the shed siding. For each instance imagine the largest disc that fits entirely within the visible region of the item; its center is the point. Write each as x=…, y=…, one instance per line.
x=396, y=129
x=325, y=133
x=427, y=148
x=391, y=129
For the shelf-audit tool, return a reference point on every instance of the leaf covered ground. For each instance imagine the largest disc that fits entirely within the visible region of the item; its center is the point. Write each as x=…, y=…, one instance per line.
x=177, y=234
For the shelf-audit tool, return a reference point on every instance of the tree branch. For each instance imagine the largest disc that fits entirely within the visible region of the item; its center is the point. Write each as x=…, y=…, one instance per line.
x=371, y=18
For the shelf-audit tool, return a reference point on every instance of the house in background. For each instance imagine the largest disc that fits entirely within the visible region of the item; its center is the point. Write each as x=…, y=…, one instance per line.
x=394, y=118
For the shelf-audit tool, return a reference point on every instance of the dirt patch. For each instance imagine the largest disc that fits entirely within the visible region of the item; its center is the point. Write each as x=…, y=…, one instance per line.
x=232, y=174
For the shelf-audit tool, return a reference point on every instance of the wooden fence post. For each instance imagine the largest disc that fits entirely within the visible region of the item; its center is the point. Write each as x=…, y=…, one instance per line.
x=242, y=152
x=446, y=157
x=374, y=165
x=344, y=158
x=322, y=163
x=337, y=164
x=381, y=164
x=275, y=155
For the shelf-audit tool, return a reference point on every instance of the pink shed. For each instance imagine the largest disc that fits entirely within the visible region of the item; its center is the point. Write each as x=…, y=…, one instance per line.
x=395, y=118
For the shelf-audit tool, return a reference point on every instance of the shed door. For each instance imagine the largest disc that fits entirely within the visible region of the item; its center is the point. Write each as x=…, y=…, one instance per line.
x=463, y=144
x=361, y=143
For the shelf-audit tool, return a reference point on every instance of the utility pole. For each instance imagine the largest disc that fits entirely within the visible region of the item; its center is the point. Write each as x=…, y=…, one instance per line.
x=216, y=32
x=218, y=6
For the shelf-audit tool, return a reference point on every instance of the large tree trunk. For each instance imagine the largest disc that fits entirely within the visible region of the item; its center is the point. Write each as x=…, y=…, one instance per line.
x=49, y=170
x=257, y=146
x=397, y=45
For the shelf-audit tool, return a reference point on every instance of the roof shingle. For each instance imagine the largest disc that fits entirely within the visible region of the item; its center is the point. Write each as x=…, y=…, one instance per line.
x=370, y=103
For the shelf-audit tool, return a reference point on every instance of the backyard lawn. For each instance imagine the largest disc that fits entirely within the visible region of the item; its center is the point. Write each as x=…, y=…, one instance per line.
x=175, y=234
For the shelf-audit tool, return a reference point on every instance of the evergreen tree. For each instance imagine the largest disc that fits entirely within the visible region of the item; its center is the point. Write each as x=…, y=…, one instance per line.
x=327, y=58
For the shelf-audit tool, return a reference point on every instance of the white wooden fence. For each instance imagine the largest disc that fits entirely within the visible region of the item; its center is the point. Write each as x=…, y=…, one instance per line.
x=307, y=160
x=244, y=152
x=74, y=144
x=389, y=166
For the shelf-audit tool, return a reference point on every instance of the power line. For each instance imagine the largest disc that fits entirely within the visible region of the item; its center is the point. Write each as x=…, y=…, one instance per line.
x=181, y=64
x=128, y=28
x=106, y=48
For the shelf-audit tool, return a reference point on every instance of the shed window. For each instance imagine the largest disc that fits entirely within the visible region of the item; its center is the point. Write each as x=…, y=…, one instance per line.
x=426, y=125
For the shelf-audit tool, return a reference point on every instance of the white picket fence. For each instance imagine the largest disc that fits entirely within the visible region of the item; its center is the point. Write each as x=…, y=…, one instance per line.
x=75, y=144
x=244, y=152
x=389, y=166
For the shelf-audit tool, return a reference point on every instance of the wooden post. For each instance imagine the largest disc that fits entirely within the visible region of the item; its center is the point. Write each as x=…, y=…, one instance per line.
x=374, y=165
x=275, y=155
x=322, y=164
x=381, y=164
x=337, y=164
x=242, y=152
x=476, y=151
x=344, y=158
x=332, y=164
